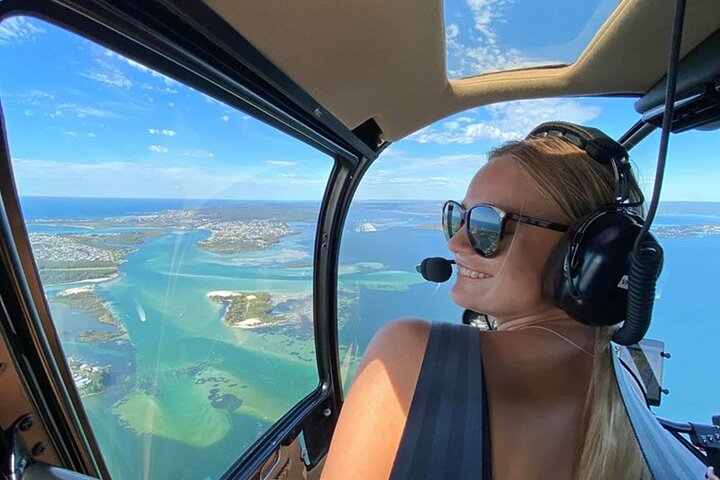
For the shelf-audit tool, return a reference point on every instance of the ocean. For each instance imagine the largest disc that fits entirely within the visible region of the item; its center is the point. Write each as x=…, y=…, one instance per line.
x=188, y=387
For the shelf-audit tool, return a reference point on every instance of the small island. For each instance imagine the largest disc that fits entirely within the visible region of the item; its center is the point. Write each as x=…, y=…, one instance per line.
x=89, y=379
x=85, y=299
x=246, y=309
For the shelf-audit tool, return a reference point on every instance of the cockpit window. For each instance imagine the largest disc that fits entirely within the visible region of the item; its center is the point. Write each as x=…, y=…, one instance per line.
x=174, y=238
x=484, y=36
x=395, y=223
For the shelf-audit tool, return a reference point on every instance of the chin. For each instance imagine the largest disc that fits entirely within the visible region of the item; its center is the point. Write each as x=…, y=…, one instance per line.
x=467, y=298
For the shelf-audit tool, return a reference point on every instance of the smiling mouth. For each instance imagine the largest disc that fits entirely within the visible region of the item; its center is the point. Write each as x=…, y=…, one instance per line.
x=466, y=272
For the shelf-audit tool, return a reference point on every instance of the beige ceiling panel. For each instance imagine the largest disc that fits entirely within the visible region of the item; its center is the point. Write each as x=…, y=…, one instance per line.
x=386, y=59
x=356, y=58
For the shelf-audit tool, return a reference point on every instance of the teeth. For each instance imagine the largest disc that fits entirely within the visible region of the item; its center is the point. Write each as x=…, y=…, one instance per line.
x=466, y=272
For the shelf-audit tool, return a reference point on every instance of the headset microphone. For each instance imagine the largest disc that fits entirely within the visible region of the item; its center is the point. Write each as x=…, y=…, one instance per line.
x=435, y=269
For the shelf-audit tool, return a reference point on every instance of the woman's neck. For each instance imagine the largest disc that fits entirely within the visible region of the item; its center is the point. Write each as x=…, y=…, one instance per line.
x=554, y=315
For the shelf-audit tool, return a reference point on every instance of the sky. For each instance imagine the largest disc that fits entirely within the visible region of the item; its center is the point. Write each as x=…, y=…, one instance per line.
x=84, y=121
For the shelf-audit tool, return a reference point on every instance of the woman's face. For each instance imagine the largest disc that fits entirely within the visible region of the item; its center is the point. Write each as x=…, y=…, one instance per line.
x=513, y=287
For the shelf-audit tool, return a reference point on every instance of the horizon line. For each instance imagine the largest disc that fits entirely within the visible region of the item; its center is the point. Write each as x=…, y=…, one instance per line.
x=285, y=200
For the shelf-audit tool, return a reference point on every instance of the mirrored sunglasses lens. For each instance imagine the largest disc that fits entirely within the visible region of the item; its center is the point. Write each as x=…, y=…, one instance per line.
x=484, y=228
x=451, y=219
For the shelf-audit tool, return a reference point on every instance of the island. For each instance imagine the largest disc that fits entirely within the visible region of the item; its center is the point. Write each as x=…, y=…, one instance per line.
x=85, y=299
x=246, y=309
x=89, y=379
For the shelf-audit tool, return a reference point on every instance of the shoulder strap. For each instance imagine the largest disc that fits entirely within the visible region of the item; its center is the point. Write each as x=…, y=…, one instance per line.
x=447, y=433
x=666, y=458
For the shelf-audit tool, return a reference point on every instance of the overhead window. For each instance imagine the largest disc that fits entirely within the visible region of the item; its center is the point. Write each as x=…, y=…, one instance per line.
x=174, y=239
x=495, y=35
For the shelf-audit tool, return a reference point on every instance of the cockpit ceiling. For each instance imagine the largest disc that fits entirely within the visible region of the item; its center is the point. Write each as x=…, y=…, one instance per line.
x=386, y=60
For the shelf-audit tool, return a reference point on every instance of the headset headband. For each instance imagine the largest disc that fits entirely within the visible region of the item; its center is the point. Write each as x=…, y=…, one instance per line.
x=597, y=145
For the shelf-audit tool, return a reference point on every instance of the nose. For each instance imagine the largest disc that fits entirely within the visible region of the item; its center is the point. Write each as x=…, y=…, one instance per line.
x=460, y=243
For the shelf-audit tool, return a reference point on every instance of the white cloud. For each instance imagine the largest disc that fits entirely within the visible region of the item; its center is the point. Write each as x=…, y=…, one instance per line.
x=467, y=161
x=281, y=163
x=197, y=153
x=121, y=178
x=81, y=111
x=485, y=51
x=18, y=29
x=158, y=149
x=508, y=121
x=108, y=74
x=169, y=82
x=128, y=61
x=225, y=118
x=32, y=97
x=79, y=134
x=163, y=131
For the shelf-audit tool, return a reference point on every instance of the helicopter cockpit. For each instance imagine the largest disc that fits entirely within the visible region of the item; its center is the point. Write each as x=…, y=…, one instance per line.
x=209, y=208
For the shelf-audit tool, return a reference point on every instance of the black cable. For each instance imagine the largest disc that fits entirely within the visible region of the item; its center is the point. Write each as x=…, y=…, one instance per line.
x=647, y=255
x=667, y=119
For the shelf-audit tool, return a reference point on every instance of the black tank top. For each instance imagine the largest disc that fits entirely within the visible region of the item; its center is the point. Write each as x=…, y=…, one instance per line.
x=447, y=434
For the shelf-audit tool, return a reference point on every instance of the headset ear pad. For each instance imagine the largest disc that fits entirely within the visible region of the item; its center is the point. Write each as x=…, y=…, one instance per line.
x=586, y=273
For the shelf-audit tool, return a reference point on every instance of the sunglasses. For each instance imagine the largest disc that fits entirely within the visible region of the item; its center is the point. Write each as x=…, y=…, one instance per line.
x=485, y=225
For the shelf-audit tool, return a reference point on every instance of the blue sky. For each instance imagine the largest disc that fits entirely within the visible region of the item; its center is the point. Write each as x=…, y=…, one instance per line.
x=84, y=121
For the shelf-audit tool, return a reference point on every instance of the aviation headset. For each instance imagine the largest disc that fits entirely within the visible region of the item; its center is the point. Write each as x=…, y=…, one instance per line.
x=587, y=274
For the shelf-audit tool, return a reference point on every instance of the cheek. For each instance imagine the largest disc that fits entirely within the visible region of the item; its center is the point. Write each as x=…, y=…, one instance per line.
x=522, y=271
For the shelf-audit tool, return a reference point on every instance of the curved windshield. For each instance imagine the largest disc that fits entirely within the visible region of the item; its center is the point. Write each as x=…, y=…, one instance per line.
x=174, y=237
x=395, y=223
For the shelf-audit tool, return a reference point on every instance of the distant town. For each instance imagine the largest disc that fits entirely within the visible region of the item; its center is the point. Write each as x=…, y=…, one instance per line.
x=74, y=257
x=687, y=231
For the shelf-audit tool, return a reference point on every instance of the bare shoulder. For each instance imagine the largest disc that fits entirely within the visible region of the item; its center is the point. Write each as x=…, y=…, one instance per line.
x=373, y=417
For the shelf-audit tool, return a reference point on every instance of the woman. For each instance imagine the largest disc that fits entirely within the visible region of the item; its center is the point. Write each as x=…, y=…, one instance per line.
x=554, y=406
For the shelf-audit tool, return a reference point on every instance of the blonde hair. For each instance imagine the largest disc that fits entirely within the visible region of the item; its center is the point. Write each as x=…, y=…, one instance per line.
x=574, y=182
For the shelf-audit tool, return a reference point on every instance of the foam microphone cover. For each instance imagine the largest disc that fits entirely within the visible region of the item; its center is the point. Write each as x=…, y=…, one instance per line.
x=435, y=269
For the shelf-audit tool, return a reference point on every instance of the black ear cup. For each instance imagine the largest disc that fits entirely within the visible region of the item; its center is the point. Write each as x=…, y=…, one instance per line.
x=586, y=275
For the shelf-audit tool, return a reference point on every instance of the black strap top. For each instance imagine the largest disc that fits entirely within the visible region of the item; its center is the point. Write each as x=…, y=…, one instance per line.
x=447, y=434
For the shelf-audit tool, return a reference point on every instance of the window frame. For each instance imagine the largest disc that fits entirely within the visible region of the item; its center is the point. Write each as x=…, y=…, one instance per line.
x=243, y=78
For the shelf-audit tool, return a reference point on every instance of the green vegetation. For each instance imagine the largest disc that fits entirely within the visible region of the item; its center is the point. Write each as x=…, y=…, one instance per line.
x=84, y=299
x=249, y=309
x=229, y=245
x=90, y=302
x=104, y=240
x=89, y=379
x=52, y=276
x=99, y=336
x=67, y=258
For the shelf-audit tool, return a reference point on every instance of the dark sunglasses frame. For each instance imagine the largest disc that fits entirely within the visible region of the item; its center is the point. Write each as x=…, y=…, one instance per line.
x=502, y=215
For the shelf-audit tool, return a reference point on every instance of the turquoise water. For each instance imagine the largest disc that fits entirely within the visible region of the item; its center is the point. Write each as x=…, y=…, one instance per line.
x=168, y=279
x=160, y=417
